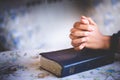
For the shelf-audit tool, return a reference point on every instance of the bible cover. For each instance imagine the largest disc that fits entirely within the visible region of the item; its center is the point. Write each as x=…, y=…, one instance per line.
x=69, y=61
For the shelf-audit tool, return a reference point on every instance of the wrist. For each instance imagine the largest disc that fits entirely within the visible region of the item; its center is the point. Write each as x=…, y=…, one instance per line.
x=106, y=42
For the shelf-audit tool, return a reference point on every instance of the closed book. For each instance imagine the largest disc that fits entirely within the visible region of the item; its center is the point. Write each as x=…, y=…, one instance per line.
x=69, y=61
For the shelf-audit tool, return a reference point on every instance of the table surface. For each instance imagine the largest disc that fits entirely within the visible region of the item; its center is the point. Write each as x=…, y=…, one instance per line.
x=25, y=65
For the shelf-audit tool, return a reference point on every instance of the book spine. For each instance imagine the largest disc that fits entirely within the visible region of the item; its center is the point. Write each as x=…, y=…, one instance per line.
x=87, y=65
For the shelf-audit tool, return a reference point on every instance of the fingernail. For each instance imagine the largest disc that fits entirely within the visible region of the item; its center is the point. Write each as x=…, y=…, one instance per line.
x=83, y=17
x=91, y=28
x=85, y=21
x=81, y=47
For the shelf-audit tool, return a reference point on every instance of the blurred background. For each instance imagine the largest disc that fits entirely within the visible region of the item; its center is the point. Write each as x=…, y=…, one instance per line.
x=46, y=24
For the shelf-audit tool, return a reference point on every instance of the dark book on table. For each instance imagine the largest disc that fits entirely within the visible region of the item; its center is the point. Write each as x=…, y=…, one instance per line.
x=69, y=61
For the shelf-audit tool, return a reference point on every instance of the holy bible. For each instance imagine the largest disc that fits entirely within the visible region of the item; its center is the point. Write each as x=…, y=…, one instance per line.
x=69, y=61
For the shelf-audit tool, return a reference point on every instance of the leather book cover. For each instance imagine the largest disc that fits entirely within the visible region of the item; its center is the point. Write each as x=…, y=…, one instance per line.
x=71, y=61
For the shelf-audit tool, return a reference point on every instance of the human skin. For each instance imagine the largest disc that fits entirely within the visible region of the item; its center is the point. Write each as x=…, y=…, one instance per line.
x=85, y=33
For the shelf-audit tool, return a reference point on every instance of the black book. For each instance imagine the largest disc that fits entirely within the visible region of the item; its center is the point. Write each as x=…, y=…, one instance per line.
x=69, y=61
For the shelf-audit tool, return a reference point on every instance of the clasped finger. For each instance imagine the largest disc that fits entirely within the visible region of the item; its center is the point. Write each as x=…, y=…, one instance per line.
x=80, y=33
x=77, y=42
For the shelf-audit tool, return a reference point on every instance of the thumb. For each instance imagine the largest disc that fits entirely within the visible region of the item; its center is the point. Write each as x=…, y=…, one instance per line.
x=84, y=20
x=91, y=21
